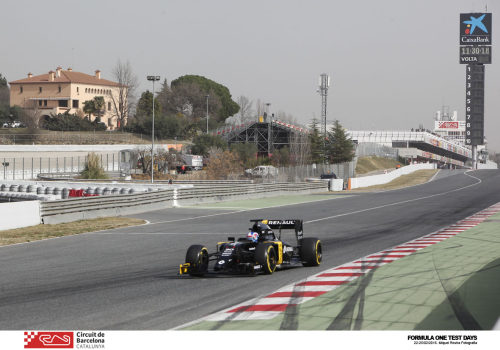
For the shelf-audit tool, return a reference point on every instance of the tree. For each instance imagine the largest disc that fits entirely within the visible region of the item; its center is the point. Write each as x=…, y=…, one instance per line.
x=246, y=113
x=145, y=105
x=3, y=82
x=260, y=108
x=300, y=149
x=202, y=143
x=281, y=157
x=339, y=148
x=31, y=116
x=317, y=143
x=123, y=96
x=223, y=165
x=99, y=104
x=89, y=108
x=190, y=100
x=247, y=152
x=228, y=106
x=4, y=97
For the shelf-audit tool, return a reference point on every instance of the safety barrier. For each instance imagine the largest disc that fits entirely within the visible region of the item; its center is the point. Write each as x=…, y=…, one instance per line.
x=385, y=178
x=74, y=209
x=11, y=213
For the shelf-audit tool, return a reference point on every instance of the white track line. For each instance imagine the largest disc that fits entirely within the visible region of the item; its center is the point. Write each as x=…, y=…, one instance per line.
x=392, y=204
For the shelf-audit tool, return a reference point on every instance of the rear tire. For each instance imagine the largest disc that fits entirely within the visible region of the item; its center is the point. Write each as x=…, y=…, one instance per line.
x=197, y=258
x=311, y=251
x=265, y=255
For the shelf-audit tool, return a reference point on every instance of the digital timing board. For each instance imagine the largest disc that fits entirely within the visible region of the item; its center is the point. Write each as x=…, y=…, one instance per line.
x=475, y=51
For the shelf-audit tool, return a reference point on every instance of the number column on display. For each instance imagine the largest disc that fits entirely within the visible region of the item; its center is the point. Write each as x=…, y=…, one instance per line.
x=474, y=105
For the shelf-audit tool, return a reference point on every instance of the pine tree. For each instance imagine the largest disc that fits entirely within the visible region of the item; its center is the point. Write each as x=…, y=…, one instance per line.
x=317, y=143
x=339, y=148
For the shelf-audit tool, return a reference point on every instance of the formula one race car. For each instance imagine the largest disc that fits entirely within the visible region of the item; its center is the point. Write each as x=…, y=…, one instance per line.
x=260, y=251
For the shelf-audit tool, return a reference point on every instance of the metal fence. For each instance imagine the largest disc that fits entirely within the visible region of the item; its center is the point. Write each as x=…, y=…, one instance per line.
x=375, y=149
x=29, y=168
x=303, y=172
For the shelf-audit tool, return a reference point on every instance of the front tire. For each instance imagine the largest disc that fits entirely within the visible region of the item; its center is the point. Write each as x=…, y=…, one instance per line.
x=311, y=251
x=197, y=258
x=265, y=255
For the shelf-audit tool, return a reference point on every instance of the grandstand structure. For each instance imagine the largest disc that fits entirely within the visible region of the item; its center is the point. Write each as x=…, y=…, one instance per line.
x=267, y=135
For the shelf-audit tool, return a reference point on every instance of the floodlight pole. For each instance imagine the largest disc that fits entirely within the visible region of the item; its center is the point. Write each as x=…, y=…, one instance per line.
x=153, y=78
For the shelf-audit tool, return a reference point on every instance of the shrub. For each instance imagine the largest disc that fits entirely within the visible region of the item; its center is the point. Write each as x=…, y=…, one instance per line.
x=72, y=122
x=93, y=168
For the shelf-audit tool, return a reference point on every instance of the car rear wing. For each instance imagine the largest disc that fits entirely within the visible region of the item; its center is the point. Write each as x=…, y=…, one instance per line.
x=296, y=225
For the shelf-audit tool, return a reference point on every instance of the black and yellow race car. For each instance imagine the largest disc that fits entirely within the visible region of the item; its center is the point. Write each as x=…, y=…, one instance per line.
x=265, y=254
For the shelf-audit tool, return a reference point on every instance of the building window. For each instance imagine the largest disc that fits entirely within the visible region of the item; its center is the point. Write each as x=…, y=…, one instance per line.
x=40, y=89
x=109, y=106
x=110, y=123
x=45, y=103
x=77, y=89
x=63, y=103
x=39, y=102
x=75, y=103
x=21, y=89
x=59, y=88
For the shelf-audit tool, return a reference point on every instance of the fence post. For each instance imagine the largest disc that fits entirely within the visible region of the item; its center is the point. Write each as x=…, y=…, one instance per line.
x=49, y=166
x=107, y=160
x=113, y=162
x=4, y=168
x=23, y=168
x=57, y=164
x=14, y=170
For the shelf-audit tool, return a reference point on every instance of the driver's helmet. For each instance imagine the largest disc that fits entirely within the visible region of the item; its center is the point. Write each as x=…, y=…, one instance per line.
x=252, y=236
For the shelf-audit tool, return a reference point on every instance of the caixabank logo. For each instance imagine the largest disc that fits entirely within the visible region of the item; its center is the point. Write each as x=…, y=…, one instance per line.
x=48, y=340
x=475, y=29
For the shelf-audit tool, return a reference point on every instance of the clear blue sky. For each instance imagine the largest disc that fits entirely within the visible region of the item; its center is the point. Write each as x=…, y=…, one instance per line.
x=392, y=63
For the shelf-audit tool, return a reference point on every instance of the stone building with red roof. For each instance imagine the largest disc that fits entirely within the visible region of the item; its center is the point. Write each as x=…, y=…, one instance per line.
x=66, y=90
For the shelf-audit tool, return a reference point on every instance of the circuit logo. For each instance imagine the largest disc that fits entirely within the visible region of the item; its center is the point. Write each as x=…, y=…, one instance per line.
x=51, y=340
x=473, y=23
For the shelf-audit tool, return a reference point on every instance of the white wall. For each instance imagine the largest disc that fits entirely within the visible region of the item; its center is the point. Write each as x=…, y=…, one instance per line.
x=19, y=214
x=385, y=178
x=489, y=165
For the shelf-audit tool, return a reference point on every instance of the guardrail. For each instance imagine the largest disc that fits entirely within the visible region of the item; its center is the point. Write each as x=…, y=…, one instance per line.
x=65, y=176
x=126, y=204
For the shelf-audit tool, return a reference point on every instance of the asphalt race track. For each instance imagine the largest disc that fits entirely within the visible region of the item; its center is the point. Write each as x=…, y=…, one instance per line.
x=128, y=278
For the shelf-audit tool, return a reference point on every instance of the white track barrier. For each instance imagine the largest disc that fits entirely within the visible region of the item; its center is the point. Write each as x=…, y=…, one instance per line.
x=19, y=214
x=385, y=178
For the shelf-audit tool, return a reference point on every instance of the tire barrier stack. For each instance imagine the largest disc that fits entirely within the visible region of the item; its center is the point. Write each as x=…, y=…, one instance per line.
x=46, y=193
x=57, y=206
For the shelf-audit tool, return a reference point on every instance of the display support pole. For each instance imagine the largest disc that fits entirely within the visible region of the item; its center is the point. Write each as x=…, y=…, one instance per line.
x=474, y=157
